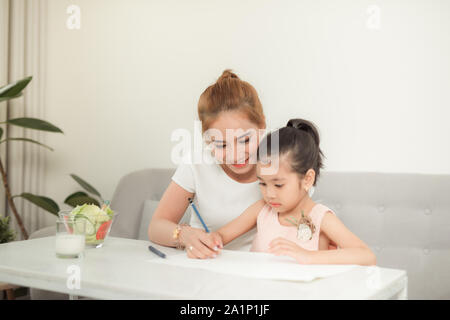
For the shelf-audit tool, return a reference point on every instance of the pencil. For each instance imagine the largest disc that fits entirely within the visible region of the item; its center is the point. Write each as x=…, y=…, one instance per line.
x=198, y=215
x=157, y=252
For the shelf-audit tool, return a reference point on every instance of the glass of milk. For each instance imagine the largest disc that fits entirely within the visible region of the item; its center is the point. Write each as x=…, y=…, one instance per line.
x=70, y=237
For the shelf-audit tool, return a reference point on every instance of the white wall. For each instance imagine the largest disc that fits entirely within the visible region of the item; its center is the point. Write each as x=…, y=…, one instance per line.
x=133, y=73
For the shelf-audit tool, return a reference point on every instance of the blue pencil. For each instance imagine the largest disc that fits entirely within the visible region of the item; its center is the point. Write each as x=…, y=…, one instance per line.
x=157, y=252
x=198, y=215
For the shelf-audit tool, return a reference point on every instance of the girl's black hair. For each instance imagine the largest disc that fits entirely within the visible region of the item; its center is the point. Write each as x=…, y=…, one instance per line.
x=299, y=138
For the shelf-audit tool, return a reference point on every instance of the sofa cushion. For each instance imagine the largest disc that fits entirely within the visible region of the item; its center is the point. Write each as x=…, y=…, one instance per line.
x=147, y=214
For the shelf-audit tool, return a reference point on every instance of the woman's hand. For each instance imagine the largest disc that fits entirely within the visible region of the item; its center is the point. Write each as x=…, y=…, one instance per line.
x=200, y=244
x=281, y=246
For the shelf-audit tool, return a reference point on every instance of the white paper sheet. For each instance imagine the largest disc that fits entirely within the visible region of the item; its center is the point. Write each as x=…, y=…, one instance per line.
x=256, y=265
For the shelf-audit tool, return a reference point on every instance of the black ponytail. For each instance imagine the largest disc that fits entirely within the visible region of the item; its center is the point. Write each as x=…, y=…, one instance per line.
x=300, y=138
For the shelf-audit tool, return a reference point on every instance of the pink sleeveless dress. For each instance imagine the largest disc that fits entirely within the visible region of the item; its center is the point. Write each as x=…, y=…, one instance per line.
x=269, y=228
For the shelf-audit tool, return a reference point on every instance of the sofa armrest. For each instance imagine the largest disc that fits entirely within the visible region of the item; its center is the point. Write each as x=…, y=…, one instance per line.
x=44, y=232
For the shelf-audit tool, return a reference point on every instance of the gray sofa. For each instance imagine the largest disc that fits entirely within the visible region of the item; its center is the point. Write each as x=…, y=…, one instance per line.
x=404, y=218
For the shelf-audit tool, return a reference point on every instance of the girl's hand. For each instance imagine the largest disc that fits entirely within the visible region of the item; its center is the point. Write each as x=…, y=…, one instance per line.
x=281, y=246
x=200, y=244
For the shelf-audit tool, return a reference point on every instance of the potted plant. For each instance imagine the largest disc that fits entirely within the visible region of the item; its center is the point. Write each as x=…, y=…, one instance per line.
x=6, y=234
x=13, y=91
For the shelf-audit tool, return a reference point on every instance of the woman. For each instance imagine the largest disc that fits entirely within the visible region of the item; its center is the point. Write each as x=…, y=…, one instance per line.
x=223, y=188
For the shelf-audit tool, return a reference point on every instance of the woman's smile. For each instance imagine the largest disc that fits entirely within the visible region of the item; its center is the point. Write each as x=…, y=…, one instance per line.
x=240, y=165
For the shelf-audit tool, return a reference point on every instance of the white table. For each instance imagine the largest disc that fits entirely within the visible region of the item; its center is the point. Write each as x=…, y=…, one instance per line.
x=120, y=270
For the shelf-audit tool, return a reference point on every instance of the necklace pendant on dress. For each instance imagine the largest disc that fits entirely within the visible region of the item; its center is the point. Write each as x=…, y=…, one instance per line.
x=305, y=228
x=304, y=232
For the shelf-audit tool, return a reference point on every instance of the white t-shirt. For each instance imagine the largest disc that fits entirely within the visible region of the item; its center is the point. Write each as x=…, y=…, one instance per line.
x=218, y=198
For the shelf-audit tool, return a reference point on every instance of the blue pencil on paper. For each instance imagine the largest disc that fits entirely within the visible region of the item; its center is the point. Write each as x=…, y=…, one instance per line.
x=198, y=215
x=157, y=252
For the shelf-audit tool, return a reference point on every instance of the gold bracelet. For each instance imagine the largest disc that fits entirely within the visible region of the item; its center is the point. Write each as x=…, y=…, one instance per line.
x=176, y=235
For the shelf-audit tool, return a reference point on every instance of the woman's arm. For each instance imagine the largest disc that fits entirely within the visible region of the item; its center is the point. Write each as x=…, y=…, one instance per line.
x=352, y=250
x=169, y=212
x=242, y=224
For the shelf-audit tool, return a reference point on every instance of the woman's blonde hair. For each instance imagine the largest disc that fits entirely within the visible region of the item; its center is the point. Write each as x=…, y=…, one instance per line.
x=230, y=93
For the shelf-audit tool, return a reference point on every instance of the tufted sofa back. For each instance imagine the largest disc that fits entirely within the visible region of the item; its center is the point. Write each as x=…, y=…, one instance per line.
x=403, y=218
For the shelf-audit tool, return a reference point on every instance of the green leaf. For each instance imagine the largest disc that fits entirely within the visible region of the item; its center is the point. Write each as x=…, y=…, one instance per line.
x=1, y=133
x=76, y=194
x=42, y=202
x=10, y=98
x=33, y=123
x=86, y=186
x=26, y=140
x=80, y=200
x=14, y=89
x=6, y=234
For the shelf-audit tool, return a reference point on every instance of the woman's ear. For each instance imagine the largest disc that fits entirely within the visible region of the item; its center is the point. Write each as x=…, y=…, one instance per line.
x=308, y=179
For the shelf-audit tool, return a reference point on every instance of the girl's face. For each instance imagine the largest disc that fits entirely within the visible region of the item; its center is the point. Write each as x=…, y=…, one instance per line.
x=234, y=141
x=282, y=189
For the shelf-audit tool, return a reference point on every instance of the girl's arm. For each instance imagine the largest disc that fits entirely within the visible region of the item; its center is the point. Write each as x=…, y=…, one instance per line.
x=352, y=250
x=242, y=224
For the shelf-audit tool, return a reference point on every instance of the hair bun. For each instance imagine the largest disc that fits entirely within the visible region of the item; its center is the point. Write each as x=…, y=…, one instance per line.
x=305, y=125
x=228, y=74
x=297, y=124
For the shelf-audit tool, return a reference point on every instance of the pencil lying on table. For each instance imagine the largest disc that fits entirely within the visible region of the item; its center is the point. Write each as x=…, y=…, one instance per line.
x=157, y=252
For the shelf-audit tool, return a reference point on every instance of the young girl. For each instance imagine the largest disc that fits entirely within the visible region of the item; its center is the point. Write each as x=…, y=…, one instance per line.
x=288, y=221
